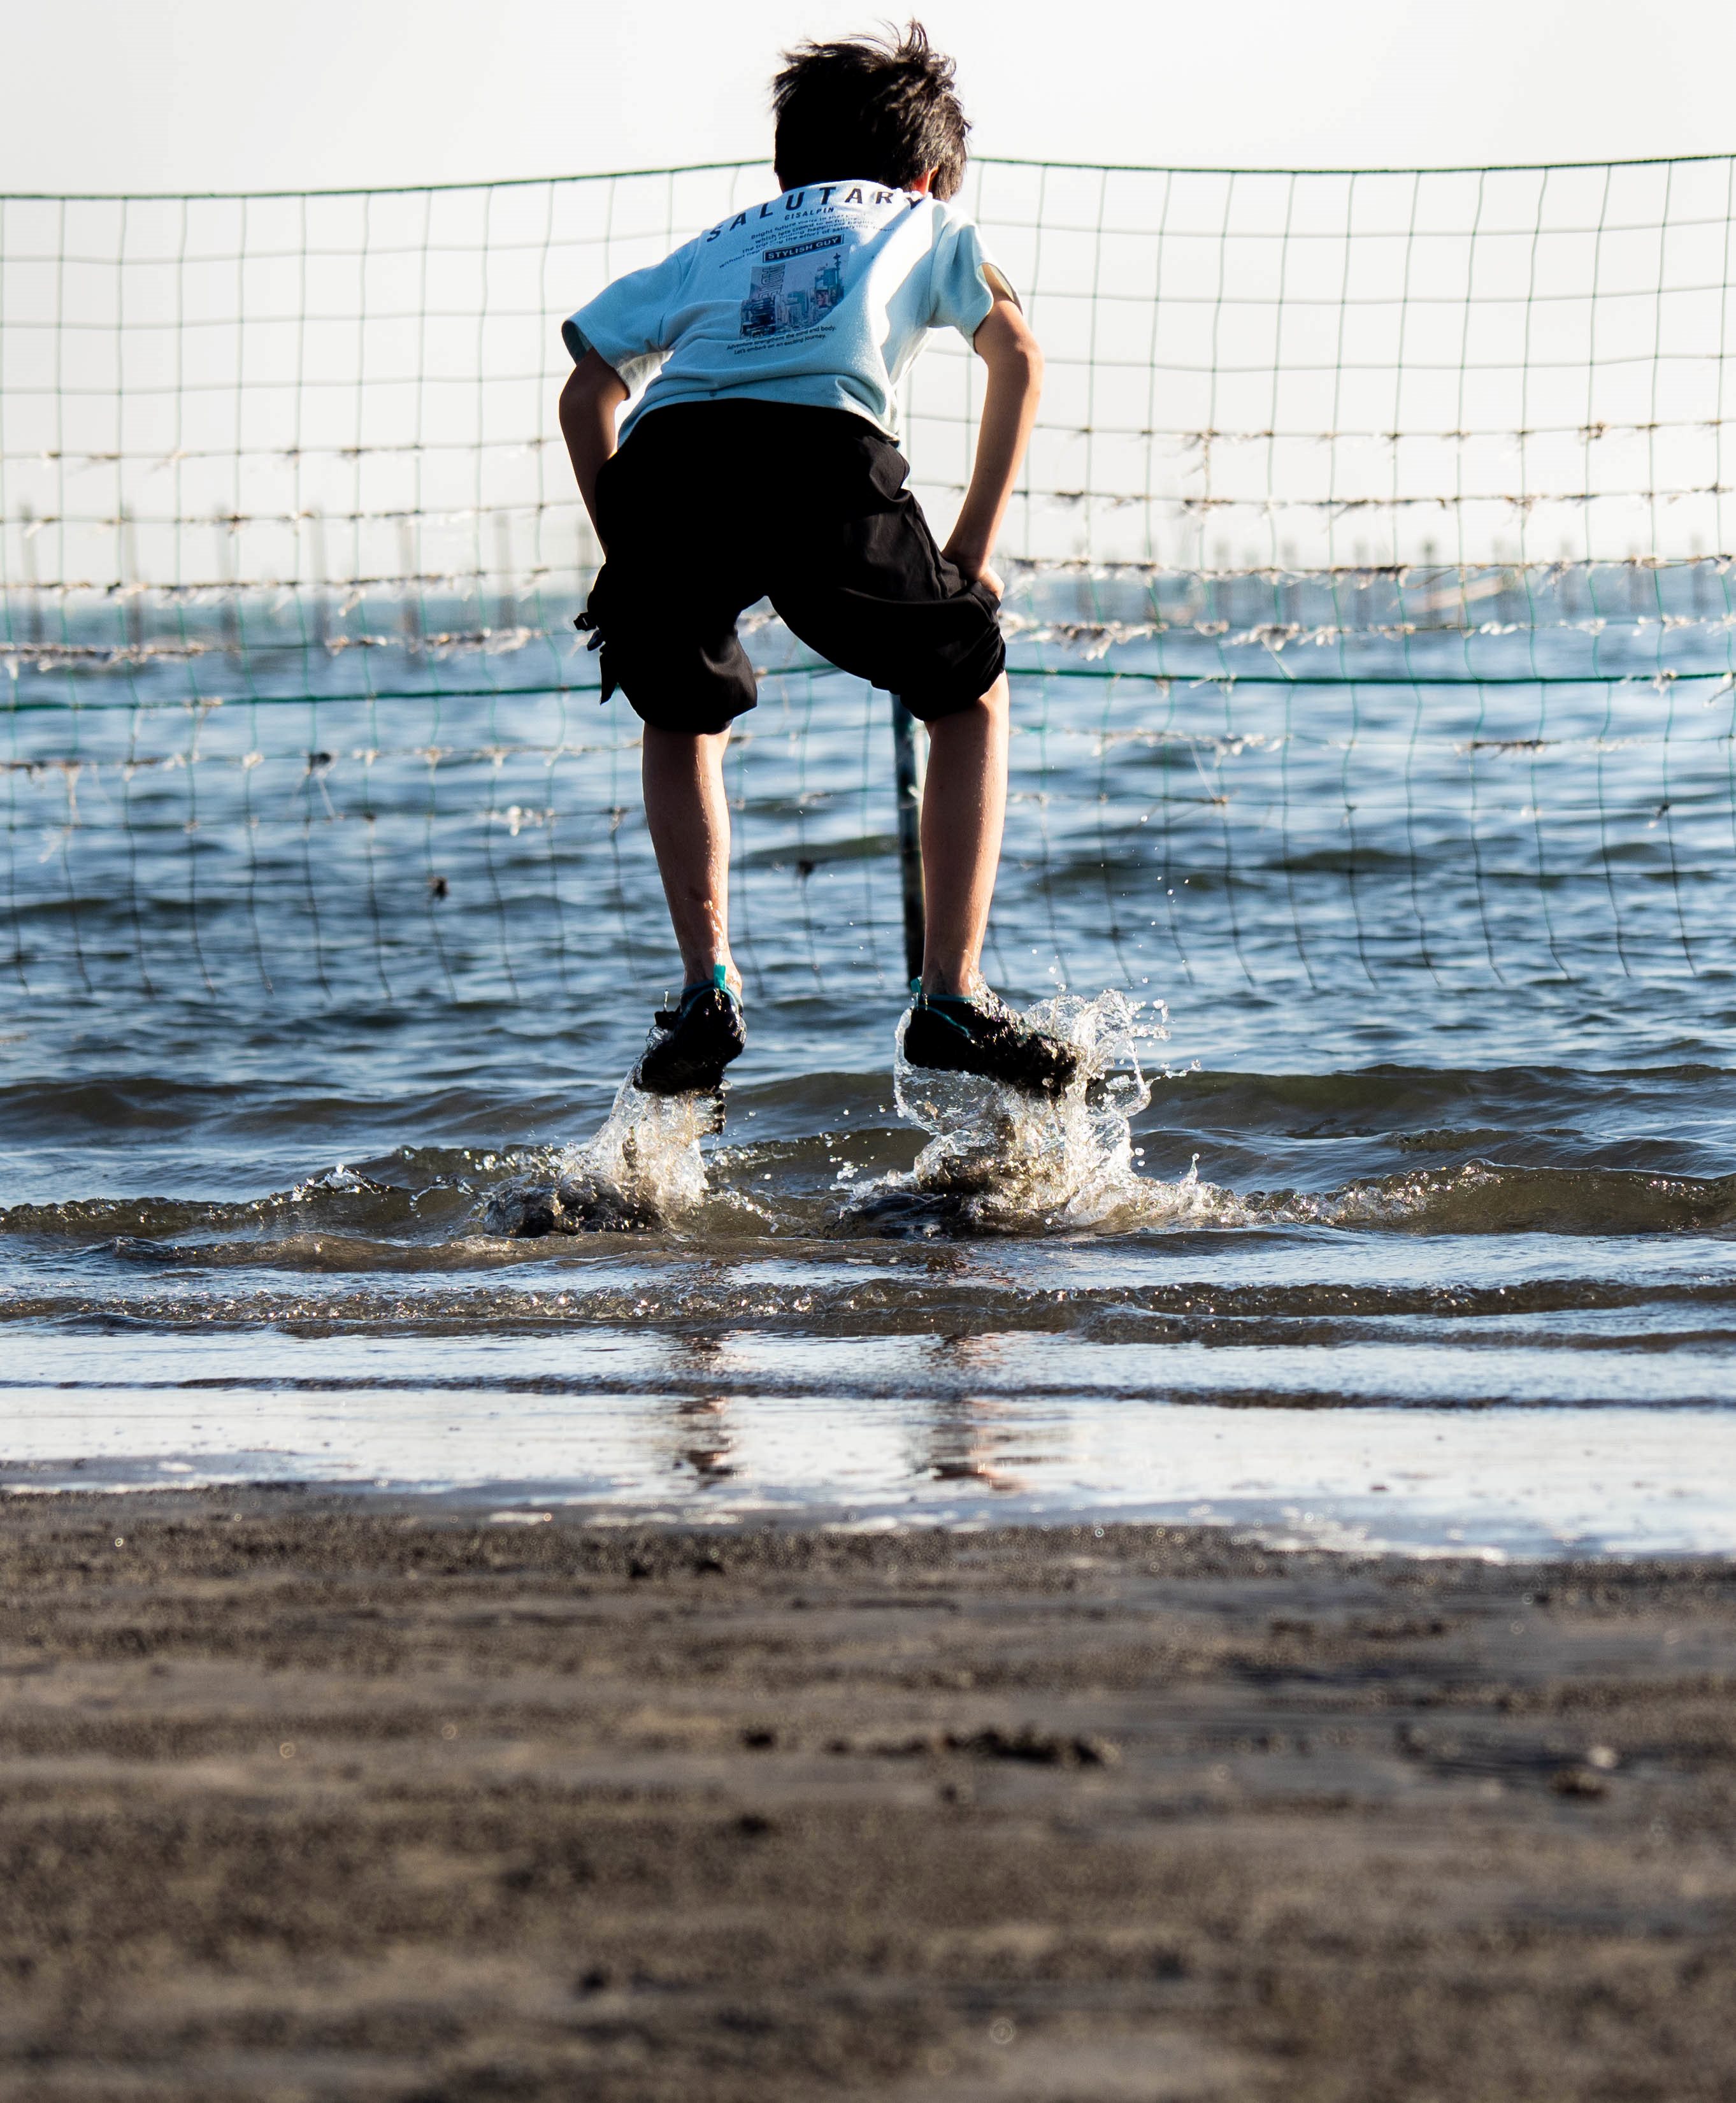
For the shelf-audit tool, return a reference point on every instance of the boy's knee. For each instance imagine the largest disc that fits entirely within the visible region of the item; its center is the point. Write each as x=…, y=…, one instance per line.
x=679, y=747
x=993, y=705
x=689, y=720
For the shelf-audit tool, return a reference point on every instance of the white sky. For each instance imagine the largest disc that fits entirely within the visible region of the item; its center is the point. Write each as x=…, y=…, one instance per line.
x=200, y=95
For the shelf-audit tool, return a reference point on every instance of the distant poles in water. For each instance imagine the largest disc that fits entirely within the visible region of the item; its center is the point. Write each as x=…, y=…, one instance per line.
x=410, y=587
x=907, y=771
x=506, y=576
x=33, y=583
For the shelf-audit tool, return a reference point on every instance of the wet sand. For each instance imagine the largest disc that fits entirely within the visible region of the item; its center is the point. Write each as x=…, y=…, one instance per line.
x=308, y=1797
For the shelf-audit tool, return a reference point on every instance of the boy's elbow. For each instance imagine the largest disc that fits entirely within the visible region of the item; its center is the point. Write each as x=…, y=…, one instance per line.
x=572, y=399
x=591, y=381
x=1008, y=348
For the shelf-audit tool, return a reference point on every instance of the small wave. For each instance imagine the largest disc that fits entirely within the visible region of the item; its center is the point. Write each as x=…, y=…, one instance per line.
x=337, y=1200
x=990, y=1163
x=1483, y=1197
x=898, y=1297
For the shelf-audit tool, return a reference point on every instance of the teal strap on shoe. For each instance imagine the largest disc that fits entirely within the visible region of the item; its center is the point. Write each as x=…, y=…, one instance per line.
x=937, y=1003
x=934, y=999
x=718, y=982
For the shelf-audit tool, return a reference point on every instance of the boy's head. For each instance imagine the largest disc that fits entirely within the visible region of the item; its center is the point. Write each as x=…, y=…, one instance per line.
x=870, y=106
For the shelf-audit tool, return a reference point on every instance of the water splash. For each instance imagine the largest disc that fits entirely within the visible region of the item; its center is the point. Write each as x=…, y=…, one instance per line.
x=648, y=1147
x=1001, y=1161
x=642, y=1169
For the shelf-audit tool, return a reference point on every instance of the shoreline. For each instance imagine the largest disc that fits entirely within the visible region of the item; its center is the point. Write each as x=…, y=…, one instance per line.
x=320, y=1795
x=730, y=1445
x=513, y=1503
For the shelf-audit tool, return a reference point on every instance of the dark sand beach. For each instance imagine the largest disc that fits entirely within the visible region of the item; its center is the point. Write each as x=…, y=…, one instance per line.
x=307, y=1797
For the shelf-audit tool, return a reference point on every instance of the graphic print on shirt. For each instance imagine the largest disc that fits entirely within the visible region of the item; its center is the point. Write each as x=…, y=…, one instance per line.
x=795, y=273
x=820, y=296
x=793, y=287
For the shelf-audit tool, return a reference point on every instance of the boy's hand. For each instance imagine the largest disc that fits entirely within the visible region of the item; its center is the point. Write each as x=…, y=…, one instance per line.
x=976, y=573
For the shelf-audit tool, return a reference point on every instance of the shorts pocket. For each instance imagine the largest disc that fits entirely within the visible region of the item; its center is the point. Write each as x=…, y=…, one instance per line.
x=888, y=468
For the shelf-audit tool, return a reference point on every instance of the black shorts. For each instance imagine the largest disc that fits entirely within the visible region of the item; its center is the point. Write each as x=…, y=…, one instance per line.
x=711, y=505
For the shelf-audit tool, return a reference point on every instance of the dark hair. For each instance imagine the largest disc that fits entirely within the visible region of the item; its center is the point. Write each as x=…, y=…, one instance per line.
x=881, y=107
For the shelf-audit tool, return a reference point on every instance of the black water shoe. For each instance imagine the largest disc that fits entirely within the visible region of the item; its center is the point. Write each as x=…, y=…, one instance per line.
x=981, y=1034
x=693, y=1042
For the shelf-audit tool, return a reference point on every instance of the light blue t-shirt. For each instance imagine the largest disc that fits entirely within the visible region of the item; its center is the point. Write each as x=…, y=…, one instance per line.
x=822, y=295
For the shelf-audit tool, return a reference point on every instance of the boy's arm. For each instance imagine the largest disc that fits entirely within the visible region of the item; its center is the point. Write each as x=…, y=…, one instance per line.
x=1006, y=346
x=593, y=393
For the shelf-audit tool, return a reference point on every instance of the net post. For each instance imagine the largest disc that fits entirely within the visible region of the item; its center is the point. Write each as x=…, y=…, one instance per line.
x=907, y=768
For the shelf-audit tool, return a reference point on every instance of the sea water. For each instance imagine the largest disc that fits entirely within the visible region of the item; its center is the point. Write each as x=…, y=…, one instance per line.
x=1398, y=1208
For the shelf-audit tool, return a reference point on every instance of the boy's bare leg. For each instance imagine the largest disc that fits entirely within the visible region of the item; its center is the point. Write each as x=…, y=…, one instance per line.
x=964, y=806
x=689, y=818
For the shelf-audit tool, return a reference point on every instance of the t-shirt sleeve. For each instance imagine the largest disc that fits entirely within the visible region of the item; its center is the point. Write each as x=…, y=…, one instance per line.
x=626, y=324
x=964, y=281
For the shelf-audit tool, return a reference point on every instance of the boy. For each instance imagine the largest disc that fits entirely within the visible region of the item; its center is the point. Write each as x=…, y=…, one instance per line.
x=762, y=460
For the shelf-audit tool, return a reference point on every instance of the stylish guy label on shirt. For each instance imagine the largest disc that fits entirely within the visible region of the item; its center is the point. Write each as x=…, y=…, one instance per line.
x=782, y=297
x=822, y=296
